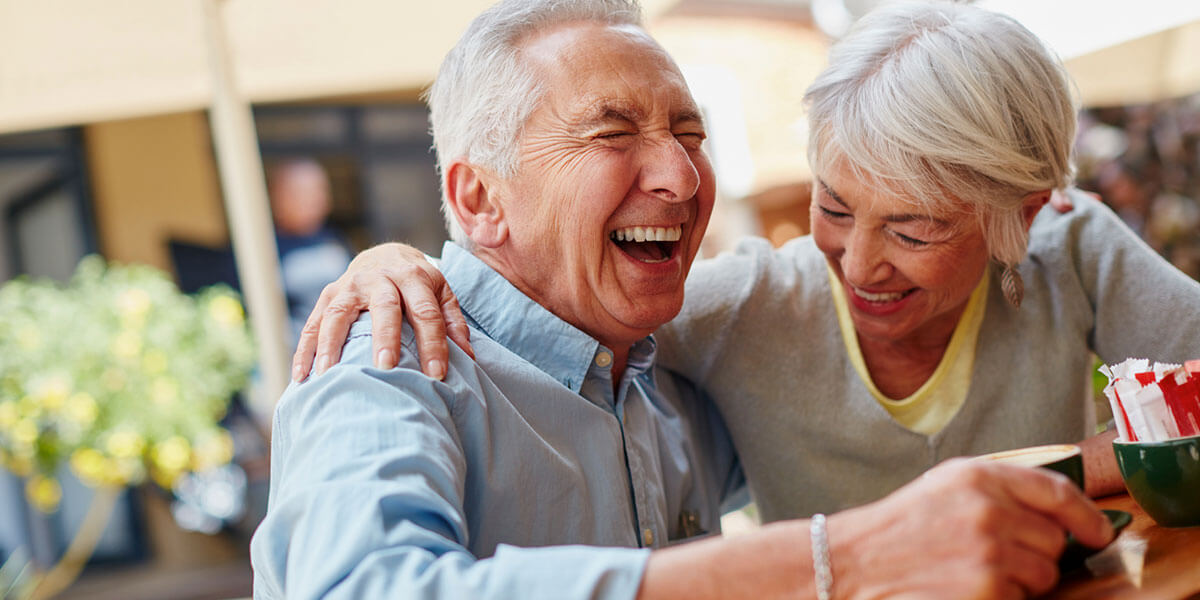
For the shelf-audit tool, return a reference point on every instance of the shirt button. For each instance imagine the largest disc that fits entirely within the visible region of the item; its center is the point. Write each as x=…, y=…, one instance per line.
x=603, y=359
x=647, y=537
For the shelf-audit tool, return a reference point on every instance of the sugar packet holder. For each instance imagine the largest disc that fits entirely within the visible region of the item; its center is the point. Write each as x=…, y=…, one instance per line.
x=1154, y=402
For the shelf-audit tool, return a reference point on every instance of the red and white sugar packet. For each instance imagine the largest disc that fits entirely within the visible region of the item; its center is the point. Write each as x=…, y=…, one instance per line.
x=1152, y=403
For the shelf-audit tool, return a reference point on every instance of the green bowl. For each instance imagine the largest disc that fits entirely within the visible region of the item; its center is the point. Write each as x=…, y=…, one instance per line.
x=1164, y=478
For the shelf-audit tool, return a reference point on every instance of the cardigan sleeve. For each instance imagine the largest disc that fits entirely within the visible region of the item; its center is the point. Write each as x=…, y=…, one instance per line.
x=1142, y=306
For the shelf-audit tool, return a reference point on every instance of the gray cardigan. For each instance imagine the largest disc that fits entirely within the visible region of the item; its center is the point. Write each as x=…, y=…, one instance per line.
x=758, y=332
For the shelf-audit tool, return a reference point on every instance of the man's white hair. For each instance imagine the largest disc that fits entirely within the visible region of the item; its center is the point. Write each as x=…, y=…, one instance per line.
x=941, y=102
x=485, y=91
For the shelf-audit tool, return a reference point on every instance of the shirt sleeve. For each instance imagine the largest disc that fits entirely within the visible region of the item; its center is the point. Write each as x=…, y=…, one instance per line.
x=367, y=493
x=1142, y=305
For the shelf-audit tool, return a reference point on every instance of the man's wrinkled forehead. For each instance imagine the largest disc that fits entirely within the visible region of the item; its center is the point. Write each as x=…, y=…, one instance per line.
x=601, y=102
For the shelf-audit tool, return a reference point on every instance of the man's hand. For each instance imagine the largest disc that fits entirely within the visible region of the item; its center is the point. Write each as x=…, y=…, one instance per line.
x=387, y=280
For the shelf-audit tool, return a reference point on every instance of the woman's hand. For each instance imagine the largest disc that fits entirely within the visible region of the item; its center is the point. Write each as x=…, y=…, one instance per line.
x=965, y=529
x=388, y=280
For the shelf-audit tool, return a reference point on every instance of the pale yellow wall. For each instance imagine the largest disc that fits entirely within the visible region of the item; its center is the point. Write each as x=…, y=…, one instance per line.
x=153, y=179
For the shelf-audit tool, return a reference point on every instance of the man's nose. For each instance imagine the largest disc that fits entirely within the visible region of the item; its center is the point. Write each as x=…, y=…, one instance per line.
x=667, y=170
x=863, y=259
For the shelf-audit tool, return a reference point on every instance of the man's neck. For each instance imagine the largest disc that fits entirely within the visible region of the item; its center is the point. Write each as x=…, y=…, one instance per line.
x=619, y=348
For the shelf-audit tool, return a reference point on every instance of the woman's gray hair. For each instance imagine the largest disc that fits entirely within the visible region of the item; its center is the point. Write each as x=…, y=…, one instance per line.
x=485, y=91
x=939, y=102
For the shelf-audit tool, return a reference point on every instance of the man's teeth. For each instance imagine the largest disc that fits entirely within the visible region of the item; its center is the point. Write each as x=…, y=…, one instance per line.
x=647, y=234
x=886, y=297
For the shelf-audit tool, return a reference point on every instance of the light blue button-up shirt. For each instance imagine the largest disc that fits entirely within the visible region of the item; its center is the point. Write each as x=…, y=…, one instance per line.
x=521, y=475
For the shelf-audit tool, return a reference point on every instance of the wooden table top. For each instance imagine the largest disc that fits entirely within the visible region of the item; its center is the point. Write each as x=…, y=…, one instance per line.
x=1145, y=561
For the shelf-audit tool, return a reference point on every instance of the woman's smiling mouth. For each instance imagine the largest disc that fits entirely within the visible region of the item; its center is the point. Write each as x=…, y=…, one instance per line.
x=646, y=243
x=879, y=297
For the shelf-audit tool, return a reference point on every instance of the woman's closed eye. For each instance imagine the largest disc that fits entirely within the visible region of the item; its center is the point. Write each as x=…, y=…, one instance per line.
x=832, y=214
x=909, y=241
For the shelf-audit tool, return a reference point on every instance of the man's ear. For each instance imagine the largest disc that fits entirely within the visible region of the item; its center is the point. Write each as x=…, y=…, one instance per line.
x=469, y=194
x=1031, y=204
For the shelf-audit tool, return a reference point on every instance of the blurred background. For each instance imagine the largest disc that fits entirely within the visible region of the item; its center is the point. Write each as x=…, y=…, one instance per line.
x=260, y=143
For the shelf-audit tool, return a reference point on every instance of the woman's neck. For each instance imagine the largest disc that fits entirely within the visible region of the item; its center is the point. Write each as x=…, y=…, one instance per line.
x=900, y=367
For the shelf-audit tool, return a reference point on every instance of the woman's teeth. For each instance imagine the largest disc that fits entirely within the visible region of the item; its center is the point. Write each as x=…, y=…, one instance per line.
x=647, y=234
x=884, y=297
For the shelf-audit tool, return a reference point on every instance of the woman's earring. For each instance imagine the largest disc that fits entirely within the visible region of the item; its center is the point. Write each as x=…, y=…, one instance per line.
x=1014, y=288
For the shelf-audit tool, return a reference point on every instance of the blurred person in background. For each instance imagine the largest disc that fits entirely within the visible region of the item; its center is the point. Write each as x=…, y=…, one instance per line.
x=935, y=311
x=561, y=463
x=310, y=253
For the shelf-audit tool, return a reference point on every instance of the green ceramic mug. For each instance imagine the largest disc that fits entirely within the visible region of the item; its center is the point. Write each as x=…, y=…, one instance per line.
x=1164, y=478
x=1063, y=458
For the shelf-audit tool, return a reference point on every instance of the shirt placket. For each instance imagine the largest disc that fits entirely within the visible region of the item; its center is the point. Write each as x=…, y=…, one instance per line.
x=628, y=409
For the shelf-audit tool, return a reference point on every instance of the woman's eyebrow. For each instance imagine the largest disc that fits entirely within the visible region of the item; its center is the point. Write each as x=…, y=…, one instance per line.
x=832, y=194
x=900, y=218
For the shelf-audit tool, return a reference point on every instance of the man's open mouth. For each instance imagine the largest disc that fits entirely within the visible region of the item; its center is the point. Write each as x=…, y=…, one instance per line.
x=648, y=244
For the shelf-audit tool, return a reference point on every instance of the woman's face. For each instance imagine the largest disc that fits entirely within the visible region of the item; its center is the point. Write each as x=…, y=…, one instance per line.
x=907, y=273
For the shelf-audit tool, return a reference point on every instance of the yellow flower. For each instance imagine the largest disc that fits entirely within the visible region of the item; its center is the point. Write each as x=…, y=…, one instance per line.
x=29, y=407
x=125, y=444
x=226, y=311
x=20, y=464
x=154, y=362
x=172, y=454
x=81, y=408
x=8, y=414
x=213, y=450
x=127, y=344
x=25, y=432
x=164, y=391
x=43, y=493
x=133, y=304
x=90, y=465
x=50, y=392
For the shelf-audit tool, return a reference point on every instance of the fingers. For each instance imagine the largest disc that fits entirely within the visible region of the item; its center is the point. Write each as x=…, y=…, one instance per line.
x=386, y=317
x=1033, y=571
x=456, y=323
x=425, y=315
x=1061, y=201
x=336, y=319
x=306, y=348
x=1057, y=498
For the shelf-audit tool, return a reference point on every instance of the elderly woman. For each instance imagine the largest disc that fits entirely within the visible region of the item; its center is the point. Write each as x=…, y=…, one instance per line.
x=935, y=311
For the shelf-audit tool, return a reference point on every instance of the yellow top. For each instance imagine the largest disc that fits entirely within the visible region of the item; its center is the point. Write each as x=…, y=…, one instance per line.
x=932, y=406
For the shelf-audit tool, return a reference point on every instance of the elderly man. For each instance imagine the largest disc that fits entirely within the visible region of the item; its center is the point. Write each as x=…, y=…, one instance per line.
x=561, y=462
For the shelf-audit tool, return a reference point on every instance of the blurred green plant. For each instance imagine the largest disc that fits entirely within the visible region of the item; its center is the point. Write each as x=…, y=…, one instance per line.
x=117, y=374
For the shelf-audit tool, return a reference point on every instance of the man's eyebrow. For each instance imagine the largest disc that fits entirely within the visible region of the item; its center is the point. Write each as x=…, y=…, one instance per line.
x=689, y=115
x=599, y=114
x=899, y=218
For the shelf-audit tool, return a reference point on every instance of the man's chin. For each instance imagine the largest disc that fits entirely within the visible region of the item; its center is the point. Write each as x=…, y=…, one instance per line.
x=647, y=314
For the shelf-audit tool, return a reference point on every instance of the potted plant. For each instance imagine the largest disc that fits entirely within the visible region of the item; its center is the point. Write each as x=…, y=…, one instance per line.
x=121, y=377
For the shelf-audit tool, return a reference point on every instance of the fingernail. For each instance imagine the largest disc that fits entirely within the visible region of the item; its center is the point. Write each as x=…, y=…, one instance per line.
x=385, y=359
x=322, y=364
x=437, y=369
x=297, y=373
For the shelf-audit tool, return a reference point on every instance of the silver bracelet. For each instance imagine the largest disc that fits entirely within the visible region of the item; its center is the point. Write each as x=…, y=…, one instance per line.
x=820, y=556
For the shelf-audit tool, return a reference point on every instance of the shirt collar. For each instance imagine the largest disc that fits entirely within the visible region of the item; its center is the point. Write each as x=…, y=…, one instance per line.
x=503, y=313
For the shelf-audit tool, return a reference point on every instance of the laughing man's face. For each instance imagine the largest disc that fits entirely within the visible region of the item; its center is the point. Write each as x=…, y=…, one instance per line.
x=612, y=193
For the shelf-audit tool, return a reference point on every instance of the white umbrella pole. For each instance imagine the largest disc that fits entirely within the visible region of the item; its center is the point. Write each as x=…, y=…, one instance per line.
x=246, y=206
